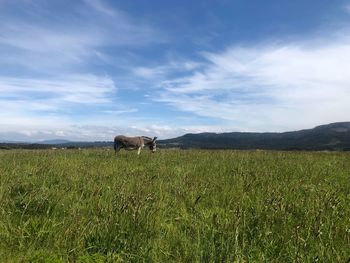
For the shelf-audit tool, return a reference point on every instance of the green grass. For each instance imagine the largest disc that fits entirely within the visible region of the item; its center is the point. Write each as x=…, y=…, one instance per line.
x=174, y=206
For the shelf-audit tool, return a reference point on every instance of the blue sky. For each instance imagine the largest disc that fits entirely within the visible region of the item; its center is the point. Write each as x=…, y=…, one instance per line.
x=91, y=69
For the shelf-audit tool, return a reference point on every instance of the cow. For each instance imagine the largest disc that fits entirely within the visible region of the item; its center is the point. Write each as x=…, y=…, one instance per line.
x=133, y=143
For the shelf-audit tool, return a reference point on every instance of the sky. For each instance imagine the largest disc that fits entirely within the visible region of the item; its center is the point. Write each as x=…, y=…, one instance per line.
x=92, y=69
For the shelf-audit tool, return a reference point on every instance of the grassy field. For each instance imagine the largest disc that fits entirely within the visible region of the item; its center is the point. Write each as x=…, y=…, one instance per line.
x=174, y=206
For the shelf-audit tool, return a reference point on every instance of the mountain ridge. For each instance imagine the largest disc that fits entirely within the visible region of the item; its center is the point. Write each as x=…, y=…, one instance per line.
x=333, y=137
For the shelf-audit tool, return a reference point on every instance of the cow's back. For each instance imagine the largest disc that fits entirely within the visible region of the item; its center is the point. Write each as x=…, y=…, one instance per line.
x=128, y=141
x=119, y=138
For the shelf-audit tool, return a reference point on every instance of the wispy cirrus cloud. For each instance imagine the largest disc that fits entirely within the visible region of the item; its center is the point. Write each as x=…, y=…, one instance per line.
x=84, y=89
x=74, y=39
x=269, y=87
x=92, y=132
x=163, y=71
x=101, y=6
x=53, y=72
x=347, y=8
x=87, y=68
x=36, y=102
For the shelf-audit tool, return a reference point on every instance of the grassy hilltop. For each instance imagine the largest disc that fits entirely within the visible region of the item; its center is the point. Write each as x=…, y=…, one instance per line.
x=174, y=206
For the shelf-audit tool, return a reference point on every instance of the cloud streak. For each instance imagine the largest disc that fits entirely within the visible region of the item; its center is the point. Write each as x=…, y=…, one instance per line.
x=53, y=67
x=27, y=133
x=269, y=87
x=55, y=103
x=85, y=67
x=347, y=8
x=101, y=6
x=69, y=41
x=84, y=89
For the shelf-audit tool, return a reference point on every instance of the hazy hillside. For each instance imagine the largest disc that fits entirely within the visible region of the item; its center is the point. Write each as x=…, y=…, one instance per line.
x=335, y=136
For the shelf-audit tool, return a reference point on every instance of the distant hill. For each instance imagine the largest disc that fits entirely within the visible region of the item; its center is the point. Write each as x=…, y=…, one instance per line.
x=334, y=136
x=96, y=144
x=54, y=142
x=21, y=145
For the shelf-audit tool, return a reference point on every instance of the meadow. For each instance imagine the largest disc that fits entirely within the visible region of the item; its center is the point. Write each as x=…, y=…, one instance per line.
x=174, y=206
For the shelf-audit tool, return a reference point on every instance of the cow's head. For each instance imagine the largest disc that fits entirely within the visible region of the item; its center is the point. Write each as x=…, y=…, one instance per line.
x=152, y=145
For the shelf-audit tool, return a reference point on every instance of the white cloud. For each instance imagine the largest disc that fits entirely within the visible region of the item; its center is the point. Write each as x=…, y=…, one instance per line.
x=75, y=40
x=256, y=88
x=163, y=71
x=55, y=104
x=347, y=8
x=127, y=110
x=83, y=89
x=149, y=73
x=101, y=6
x=271, y=87
x=93, y=132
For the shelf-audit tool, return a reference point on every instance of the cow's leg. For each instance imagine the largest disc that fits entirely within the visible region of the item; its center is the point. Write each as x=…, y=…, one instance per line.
x=117, y=146
x=139, y=151
x=117, y=149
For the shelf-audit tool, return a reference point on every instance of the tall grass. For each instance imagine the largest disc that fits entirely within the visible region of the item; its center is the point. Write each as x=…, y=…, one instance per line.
x=174, y=206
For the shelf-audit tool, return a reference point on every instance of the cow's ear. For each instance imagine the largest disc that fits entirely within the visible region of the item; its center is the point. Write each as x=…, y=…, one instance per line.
x=155, y=138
